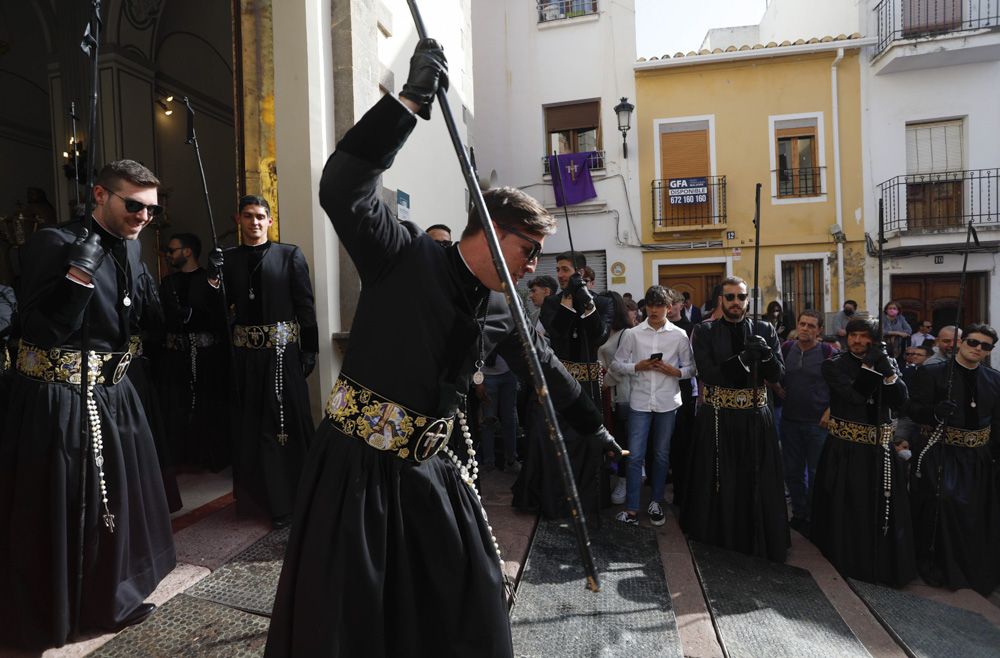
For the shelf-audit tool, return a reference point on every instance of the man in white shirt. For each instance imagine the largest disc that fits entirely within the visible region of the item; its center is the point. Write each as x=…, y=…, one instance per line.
x=922, y=333
x=656, y=354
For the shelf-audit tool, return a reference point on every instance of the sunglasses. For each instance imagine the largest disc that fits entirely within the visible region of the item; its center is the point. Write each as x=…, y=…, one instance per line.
x=972, y=342
x=536, y=246
x=133, y=206
x=730, y=296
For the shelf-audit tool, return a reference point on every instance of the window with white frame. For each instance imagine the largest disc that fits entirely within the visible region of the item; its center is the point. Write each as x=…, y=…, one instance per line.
x=934, y=179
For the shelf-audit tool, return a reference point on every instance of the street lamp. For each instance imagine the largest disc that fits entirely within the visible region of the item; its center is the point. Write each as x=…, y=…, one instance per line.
x=624, y=112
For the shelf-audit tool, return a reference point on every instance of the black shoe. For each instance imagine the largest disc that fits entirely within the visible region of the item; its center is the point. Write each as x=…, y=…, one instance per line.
x=137, y=616
x=280, y=522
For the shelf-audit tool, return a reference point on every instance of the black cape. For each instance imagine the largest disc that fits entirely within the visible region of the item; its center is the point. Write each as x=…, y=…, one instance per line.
x=264, y=471
x=848, y=505
x=746, y=512
x=40, y=453
x=388, y=557
x=956, y=499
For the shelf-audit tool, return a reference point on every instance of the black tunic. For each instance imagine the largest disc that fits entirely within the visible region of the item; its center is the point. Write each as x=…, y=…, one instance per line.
x=956, y=499
x=848, y=509
x=264, y=471
x=746, y=511
x=40, y=453
x=389, y=557
x=197, y=397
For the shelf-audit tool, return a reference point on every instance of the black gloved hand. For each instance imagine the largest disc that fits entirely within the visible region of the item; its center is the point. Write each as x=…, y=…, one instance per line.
x=884, y=365
x=755, y=349
x=308, y=361
x=583, y=300
x=86, y=254
x=876, y=351
x=428, y=72
x=215, y=263
x=944, y=410
x=607, y=443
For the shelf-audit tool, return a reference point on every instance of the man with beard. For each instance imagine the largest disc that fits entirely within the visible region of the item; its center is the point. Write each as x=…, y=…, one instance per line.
x=944, y=345
x=955, y=497
x=276, y=340
x=736, y=497
x=127, y=542
x=196, y=362
x=860, y=511
x=390, y=552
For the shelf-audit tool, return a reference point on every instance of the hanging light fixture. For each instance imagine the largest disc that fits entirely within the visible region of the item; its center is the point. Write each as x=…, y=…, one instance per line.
x=624, y=112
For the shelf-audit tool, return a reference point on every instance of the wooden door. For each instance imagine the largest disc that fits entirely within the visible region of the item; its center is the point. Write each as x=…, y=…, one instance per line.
x=934, y=205
x=935, y=297
x=696, y=280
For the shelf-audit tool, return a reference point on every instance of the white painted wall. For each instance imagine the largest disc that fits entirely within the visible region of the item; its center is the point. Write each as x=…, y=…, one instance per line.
x=805, y=19
x=522, y=65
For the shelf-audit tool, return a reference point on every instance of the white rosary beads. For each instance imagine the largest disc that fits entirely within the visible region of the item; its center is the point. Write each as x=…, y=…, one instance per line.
x=96, y=436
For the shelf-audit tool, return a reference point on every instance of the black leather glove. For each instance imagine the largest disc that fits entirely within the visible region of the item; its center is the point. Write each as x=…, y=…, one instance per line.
x=215, y=263
x=944, y=410
x=876, y=351
x=428, y=72
x=884, y=366
x=308, y=361
x=86, y=254
x=583, y=300
x=607, y=443
x=755, y=349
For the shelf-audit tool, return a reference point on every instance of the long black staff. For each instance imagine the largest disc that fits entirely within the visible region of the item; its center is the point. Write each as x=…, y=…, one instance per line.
x=75, y=145
x=91, y=46
x=755, y=364
x=514, y=303
x=192, y=139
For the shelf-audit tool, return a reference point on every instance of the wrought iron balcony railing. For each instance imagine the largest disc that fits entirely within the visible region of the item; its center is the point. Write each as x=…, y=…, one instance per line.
x=909, y=19
x=557, y=10
x=696, y=201
x=941, y=201
x=802, y=182
x=596, y=161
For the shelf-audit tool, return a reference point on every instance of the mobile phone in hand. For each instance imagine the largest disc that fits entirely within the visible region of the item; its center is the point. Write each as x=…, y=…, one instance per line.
x=656, y=357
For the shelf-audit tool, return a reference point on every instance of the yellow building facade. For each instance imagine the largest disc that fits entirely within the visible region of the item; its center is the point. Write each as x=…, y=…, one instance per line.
x=713, y=125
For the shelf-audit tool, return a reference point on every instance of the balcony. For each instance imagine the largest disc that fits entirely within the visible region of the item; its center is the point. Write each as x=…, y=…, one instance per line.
x=596, y=162
x=689, y=202
x=921, y=209
x=913, y=21
x=557, y=10
x=802, y=182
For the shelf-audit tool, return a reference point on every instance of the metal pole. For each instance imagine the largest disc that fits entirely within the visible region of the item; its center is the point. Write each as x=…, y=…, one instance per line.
x=514, y=303
x=76, y=153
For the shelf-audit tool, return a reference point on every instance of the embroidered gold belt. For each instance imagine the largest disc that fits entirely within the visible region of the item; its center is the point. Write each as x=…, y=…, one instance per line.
x=956, y=436
x=183, y=342
x=385, y=425
x=860, y=432
x=735, y=398
x=265, y=336
x=583, y=372
x=58, y=365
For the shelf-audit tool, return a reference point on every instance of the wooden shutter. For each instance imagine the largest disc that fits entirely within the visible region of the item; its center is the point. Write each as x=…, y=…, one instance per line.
x=576, y=116
x=684, y=154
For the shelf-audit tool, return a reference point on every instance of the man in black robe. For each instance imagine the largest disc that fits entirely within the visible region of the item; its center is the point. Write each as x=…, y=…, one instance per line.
x=865, y=533
x=735, y=495
x=576, y=323
x=127, y=542
x=196, y=362
x=276, y=341
x=954, y=489
x=390, y=552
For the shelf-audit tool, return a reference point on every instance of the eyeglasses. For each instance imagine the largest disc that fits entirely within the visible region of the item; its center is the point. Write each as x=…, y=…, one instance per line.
x=169, y=251
x=134, y=206
x=972, y=342
x=730, y=296
x=536, y=246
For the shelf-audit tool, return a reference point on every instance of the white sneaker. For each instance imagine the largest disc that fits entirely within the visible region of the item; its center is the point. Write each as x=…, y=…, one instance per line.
x=656, y=516
x=618, y=495
x=626, y=518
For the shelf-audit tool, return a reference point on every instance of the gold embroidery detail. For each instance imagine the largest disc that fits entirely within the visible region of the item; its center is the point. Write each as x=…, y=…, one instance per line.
x=63, y=366
x=872, y=435
x=583, y=372
x=956, y=436
x=266, y=336
x=735, y=398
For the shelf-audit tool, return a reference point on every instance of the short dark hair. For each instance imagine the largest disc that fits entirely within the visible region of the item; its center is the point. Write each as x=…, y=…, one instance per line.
x=574, y=257
x=113, y=173
x=627, y=295
x=731, y=281
x=511, y=206
x=657, y=296
x=812, y=313
x=851, y=302
x=254, y=200
x=439, y=227
x=589, y=274
x=544, y=281
x=926, y=349
x=189, y=241
x=687, y=295
x=979, y=328
x=866, y=325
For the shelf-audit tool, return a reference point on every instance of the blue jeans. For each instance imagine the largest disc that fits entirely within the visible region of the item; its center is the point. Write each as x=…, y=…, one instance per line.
x=639, y=423
x=500, y=411
x=801, y=446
